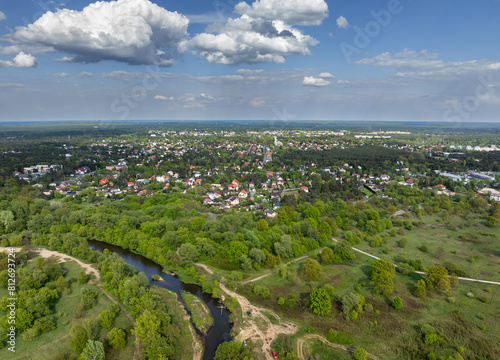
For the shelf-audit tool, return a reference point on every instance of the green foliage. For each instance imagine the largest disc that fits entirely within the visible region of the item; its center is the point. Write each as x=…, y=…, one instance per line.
x=492, y=222
x=232, y=350
x=320, y=302
x=437, y=279
x=117, y=339
x=88, y=298
x=328, y=256
x=311, y=270
x=61, y=284
x=262, y=291
x=397, y=303
x=338, y=337
x=420, y=289
x=352, y=302
x=383, y=273
x=188, y=253
x=93, y=351
x=82, y=277
x=360, y=354
x=106, y=319
x=344, y=250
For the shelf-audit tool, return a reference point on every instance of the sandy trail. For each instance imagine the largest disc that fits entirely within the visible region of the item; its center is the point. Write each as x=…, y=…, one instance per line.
x=266, y=333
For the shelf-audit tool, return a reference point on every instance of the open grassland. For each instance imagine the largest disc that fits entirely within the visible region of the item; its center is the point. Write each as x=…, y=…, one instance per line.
x=469, y=244
x=459, y=320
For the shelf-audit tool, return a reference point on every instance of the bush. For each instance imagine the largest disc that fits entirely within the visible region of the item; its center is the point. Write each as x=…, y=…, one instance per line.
x=360, y=354
x=117, y=338
x=82, y=277
x=403, y=242
x=424, y=248
x=397, y=303
x=88, y=298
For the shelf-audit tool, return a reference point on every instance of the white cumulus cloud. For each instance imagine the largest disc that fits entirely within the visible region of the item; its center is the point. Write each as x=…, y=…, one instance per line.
x=21, y=60
x=342, y=22
x=326, y=75
x=313, y=81
x=263, y=33
x=292, y=12
x=130, y=31
x=2, y=16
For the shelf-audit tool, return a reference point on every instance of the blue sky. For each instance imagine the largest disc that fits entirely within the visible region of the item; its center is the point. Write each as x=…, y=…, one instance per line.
x=267, y=59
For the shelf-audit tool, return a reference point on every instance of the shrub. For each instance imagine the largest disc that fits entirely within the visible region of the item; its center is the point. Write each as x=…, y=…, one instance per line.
x=403, y=242
x=424, y=248
x=481, y=316
x=360, y=354
x=82, y=277
x=397, y=303
x=117, y=338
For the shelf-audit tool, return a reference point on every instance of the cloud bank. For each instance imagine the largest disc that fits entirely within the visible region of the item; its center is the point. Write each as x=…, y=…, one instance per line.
x=263, y=33
x=130, y=31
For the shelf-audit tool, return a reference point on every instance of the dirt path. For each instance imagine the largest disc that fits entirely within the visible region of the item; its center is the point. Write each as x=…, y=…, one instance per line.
x=63, y=257
x=302, y=340
x=272, y=272
x=423, y=273
x=265, y=333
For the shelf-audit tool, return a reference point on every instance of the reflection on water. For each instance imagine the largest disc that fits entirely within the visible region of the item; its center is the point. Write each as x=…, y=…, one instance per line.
x=218, y=333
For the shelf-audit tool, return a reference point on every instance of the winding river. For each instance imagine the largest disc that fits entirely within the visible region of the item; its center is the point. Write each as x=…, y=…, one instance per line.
x=221, y=329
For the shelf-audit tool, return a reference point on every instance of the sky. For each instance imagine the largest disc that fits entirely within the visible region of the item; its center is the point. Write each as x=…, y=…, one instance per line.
x=393, y=60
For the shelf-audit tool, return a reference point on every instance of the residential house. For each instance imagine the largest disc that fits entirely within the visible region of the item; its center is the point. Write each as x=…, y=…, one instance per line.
x=208, y=201
x=271, y=214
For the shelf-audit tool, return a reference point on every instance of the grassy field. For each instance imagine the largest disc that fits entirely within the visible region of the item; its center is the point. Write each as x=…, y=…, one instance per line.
x=388, y=333
x=200, y=313
x=55, y=342
x=475, y=249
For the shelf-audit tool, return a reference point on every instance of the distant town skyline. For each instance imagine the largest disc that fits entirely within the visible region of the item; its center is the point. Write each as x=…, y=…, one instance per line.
x=395, y=60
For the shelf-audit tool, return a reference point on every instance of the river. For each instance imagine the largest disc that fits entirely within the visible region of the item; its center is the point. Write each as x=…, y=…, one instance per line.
x=221, y=329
